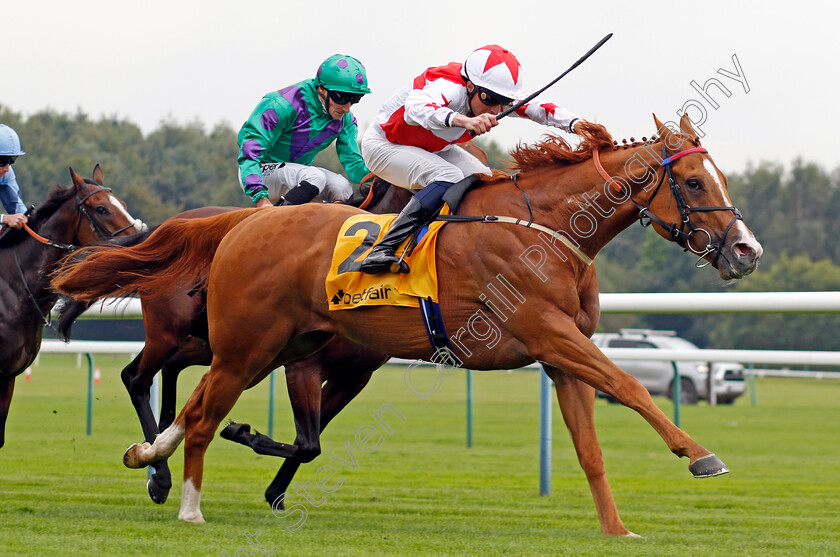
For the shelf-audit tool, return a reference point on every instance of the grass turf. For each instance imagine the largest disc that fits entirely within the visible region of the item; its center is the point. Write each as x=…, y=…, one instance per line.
x=421, y=491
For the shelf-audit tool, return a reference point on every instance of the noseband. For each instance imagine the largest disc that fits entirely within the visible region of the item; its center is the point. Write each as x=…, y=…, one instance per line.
x=677, y=231
x=95, y=225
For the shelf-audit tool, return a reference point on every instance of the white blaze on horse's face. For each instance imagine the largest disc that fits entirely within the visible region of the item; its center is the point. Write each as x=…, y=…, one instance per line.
x=745, y=236
x=139, y=225
x=740, y=255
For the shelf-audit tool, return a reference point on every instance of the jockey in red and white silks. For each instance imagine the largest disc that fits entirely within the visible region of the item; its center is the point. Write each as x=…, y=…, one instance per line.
x=412, y=143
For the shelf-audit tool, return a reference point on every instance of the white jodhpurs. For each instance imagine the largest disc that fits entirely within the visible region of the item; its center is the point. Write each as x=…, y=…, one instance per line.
x=280, y=178
x=415, y=168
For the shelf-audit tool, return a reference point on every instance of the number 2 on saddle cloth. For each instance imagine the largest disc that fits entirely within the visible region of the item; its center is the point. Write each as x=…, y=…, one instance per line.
x=348, y=287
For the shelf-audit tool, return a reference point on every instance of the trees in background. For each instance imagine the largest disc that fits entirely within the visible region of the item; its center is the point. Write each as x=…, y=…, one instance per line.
x=792, y=211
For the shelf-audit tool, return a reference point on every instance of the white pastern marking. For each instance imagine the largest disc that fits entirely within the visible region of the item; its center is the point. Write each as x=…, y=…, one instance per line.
x=166, y=443
x=190, y=503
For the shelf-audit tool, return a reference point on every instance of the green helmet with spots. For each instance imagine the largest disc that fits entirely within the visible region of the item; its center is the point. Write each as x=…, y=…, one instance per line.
x=343, y=73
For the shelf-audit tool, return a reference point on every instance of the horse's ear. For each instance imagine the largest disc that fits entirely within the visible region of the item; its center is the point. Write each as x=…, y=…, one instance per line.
x=687, y=129
x=98, y=175
x=78, y=181
x=661, y=129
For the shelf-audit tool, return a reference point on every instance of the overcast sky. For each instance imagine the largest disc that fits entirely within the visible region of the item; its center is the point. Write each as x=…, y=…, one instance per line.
x=212, y=61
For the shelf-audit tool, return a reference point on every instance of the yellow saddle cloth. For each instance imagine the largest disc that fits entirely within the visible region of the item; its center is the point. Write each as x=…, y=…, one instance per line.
x=348, y=287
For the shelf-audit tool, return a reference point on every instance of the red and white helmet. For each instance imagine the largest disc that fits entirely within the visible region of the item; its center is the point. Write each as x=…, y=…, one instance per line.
x=496, y=69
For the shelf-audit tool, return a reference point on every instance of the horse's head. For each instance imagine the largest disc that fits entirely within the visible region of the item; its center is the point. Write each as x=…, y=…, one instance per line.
x=105, y=215
x=697, y=212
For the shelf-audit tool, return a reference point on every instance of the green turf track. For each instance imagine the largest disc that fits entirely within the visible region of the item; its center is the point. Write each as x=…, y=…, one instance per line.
x=422, y=492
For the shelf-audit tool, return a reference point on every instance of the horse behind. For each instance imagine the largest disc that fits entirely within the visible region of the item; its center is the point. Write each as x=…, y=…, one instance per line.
x=532, y=238
x=82, y=214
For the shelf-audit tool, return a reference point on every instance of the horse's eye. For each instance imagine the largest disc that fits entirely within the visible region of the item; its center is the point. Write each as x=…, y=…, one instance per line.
x=101, y=210
x=694, y=184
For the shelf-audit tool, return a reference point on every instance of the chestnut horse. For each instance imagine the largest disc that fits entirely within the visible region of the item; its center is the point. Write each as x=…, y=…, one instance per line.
x=176, y=338
x=562, y=212
x=78, y=215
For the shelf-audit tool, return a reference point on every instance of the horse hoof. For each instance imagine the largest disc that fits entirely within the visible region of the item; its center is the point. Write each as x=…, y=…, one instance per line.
x=275, y=502
x=708, y=466
x=157, y=493
x=131, y=458
x=194, y=517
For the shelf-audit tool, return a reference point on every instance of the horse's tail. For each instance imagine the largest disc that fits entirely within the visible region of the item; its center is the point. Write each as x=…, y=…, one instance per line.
x=71, y=309
x=179, y=250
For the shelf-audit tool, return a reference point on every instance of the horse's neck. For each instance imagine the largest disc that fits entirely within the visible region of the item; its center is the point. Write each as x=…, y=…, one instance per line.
x=37, y=259
x=62, y=226
x=393, y=201
x=573, y=200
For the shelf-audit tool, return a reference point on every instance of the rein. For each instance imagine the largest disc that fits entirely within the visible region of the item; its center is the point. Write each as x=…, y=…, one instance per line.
x=67, y=247
x=94, y=224
x=676, y=232
x=369, y=196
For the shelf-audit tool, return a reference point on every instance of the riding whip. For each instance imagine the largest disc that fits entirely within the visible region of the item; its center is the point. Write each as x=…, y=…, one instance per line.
x=530, y=97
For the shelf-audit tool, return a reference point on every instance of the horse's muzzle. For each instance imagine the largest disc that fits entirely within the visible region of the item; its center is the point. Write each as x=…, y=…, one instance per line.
x=739, y=259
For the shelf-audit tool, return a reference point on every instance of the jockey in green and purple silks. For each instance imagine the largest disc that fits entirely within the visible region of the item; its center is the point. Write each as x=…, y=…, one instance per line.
x=290, y=126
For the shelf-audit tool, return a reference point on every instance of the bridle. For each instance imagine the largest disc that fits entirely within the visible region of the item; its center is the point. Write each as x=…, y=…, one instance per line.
x=677, y=231
x=95, y=225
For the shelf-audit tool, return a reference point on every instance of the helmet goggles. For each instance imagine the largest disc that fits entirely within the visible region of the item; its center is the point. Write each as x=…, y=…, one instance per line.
x=343, y=97
x=490, y=98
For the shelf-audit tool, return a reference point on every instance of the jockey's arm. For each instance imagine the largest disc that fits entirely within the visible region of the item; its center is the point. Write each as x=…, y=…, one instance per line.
x=347, y=149
x=255, y=140
x=11, y=200
x=549, y=114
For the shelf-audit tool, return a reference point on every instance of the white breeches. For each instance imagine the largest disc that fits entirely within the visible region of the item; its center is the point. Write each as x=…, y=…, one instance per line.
x=415, y=168
x=280, y=178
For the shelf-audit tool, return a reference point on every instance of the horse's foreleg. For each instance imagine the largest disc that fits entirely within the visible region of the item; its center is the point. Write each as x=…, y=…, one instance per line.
x=7, y=388
x=336, y=393
x=304, y=386
x=554, y=339
x=577, y=401
x=138, y=377
x=139, y=455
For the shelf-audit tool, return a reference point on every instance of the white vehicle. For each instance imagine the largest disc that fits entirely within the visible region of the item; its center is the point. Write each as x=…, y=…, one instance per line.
x=727, y=378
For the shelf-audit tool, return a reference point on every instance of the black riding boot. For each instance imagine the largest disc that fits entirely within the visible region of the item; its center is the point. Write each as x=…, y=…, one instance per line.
x=381, y=258
x=298, y=195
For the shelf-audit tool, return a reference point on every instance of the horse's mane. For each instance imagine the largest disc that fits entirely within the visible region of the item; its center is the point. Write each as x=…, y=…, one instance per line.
x=56, y=198
x=555, y=151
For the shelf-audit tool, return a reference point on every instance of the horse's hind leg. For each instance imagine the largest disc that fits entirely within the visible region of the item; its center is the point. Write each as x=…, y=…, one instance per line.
x=577, y=403
x=196, y=352
x=211, y=402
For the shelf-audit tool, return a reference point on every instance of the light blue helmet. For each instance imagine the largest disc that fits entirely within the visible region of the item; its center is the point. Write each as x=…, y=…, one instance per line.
x=9, y=142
